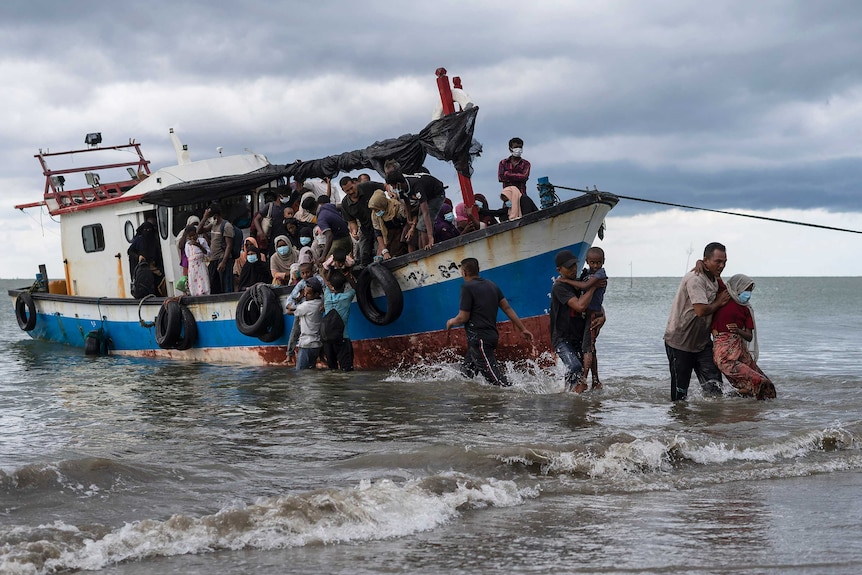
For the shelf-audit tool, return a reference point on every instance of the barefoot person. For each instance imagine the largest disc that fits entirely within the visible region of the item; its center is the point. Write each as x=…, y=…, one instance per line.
x=480, y=299
x=686, y=338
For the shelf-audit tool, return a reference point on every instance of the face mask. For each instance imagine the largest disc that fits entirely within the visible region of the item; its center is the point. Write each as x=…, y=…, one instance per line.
x=380, y=213
x=252, y=258
x=507, y=203
x=283, y=200
x=305, y=241
x=744, y=297
x=321, y=239
x=479, y=204
x=450, y=217
x=283, y=250
x=517, y=152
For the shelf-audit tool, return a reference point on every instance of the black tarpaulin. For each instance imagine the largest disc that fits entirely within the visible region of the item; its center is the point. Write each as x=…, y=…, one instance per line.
x=449, y=139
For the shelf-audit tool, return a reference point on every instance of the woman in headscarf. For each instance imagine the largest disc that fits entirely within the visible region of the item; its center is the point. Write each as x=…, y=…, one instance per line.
x=249, y=243
x=181, y=243
x=486, y=215
x=518, y=204
x=307, y=211
x=444, y=224
x=464, y=220
x=254, y=270
x=388, y=218
x=282, y=258
x=197, y=251
x=734, y=337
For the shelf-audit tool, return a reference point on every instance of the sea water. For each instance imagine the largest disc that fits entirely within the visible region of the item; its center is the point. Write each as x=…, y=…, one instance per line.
x=123, y=465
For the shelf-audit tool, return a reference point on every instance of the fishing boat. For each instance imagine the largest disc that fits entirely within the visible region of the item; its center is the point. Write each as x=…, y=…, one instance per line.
x=402, y=304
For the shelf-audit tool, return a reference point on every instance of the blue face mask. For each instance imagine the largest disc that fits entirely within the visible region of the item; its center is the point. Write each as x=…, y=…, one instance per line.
x=252, y=258
x=507, y=203
x=479, y=204
x=380, y=213
x=283, y=250
x=304, y=241
x=744, y=297
x=449, y=217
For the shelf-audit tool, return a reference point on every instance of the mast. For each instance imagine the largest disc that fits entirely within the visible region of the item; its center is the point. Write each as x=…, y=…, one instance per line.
x=449, y=108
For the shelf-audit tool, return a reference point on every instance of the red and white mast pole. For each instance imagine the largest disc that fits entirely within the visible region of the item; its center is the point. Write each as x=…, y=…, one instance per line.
x=449, y=108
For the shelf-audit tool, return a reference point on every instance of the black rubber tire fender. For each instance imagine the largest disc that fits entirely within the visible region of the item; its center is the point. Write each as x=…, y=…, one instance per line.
x=275, y=324
x=189, y=334
x=258, y=312
x=169, y=324
x=25, y=311
x=379, y=274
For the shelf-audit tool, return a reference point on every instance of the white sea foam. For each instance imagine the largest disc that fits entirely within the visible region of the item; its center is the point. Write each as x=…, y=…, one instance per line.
x=372, y=510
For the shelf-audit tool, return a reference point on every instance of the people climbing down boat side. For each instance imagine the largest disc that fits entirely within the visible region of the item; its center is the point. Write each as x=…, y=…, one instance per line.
x=306, y=271
x=388, y=217
x=222, y=235
x=145, y=248
x=333, y=227
x=255, y=270
x=309, y=314
x=356, y=210
x=518, y=204
x=281, y=261
x=423, y=195
x=735, y=348
x=480, y=299
x=337, y=298
x=514, y=170
x=197, y=250
x=444, y=224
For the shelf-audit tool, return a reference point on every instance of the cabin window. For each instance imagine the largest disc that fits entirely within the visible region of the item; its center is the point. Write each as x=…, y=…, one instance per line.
x=129, y=231
x=163, y=221
x=94, y=238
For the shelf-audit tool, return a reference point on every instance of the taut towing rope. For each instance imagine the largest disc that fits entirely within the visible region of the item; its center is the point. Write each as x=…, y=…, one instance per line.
x=594, y=191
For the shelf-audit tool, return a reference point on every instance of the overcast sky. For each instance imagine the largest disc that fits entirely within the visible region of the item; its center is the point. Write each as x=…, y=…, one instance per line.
x=740, y=106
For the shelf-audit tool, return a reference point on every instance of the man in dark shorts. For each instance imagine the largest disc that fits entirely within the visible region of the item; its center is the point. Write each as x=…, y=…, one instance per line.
x=480, y=299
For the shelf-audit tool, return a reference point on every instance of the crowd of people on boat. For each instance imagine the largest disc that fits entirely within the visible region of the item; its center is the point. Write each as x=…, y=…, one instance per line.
x=306, y=228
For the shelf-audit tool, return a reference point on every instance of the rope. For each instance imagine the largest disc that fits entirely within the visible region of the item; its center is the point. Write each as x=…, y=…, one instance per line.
x=717, y=211
x=143, y=323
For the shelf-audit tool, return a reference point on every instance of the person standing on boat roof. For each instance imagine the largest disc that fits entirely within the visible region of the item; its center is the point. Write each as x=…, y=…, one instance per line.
x=222, y=236
x=687, y=336
x=514, y=170
x=354, y=208
x=480, y=299
x=569, y=301
x=422, y=195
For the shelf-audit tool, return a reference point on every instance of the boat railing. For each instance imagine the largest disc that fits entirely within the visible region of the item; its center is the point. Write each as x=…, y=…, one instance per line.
x=58, y=199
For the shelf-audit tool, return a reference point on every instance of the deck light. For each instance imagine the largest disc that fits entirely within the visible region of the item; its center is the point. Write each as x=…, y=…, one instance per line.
x=93, y=139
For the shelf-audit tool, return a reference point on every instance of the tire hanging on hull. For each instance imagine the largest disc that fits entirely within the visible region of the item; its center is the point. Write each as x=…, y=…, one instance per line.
x=25, y=311
x=259, y=314
x=175, y=326
x=379, y=274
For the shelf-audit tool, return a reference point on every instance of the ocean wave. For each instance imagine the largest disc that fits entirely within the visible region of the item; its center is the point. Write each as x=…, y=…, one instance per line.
x=620, y=458
x=370, y=511
x=85, y=477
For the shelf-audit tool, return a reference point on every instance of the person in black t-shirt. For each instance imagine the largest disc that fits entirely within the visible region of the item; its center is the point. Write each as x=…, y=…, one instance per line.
x=480, y=299
x=423, y=194
x=569, y=301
